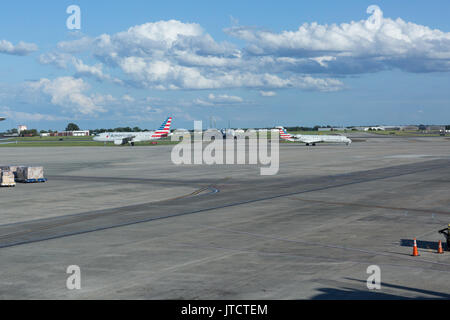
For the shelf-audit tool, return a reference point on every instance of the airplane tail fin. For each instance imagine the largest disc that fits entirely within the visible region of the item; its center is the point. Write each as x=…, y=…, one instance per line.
x=284, y=134
x=164, y=130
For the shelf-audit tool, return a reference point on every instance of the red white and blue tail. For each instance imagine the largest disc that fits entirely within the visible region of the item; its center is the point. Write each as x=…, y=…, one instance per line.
x=284, y=134
x=164, y=130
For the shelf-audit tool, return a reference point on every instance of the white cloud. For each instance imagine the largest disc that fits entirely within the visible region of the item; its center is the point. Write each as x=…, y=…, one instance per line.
x=100, y=99
x=162, y=34
x=268, y=93
x=202, y=102
x=69, y=93
x=95, y=71
x=21, y=49
x=83, y=69
x=165, y=75
x=171, y=55
x=224, y=98
x=322, y=61
x=363, y=46
x=63, y=60
x=57, y=59
x=75, y=46
x=218, y=100
x=27, y=116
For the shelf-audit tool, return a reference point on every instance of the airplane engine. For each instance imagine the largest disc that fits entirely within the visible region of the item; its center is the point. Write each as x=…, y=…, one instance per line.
x=118, y=142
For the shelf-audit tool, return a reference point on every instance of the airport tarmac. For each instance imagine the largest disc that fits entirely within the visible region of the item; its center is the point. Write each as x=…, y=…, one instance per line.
x=140, y=227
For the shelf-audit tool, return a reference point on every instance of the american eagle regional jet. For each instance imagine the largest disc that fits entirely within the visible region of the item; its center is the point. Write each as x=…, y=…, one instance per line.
x=312, y=140
x=120, y=138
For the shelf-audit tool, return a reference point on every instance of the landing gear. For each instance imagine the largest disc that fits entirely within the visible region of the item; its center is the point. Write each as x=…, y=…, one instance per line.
x=132, y=144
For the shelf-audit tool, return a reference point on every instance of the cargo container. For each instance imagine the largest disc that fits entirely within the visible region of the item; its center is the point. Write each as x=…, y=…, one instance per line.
x=25, y=174
x=7, y=179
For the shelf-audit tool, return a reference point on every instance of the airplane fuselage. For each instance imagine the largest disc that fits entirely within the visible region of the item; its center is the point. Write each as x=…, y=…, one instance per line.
x=312, y=139
x=120, y=138
x=128, y=136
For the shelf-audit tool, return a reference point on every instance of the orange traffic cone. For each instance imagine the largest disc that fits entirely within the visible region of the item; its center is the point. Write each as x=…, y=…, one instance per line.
x=415, y=250
x=440, y=250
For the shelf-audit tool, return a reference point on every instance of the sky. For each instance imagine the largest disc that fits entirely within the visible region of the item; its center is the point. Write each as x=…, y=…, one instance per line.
x=249, y=63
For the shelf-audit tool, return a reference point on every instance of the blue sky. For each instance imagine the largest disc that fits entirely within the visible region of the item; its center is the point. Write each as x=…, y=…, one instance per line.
x=253, y=63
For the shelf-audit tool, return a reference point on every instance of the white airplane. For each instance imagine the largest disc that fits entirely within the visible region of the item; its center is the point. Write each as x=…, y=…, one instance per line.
x=120, y=138
x=312, y=140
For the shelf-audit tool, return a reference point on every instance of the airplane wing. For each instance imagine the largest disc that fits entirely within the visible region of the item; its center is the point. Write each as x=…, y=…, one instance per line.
x=1, y=118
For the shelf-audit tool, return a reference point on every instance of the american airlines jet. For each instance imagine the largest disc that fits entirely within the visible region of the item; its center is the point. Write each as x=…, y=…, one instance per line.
x=120, y=138
x=312, y=140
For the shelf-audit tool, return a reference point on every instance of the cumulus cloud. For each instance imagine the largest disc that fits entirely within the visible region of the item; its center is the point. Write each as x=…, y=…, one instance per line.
x=74, y=98
x=69, y=93
x=58, y=59
x=75, y=46
x=95, y=71
x=171, y=55
x=64, y=60
x=167, y=75
x=364, y=46
x=83, y=69
x=21, y=49
x=174, y=55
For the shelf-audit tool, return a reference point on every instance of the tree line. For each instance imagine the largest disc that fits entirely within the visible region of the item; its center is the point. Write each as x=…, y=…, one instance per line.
x=75, y=127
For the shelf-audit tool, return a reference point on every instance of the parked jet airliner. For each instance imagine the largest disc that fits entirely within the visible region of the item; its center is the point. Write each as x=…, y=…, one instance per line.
x=120, y=138
x=312, y=140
